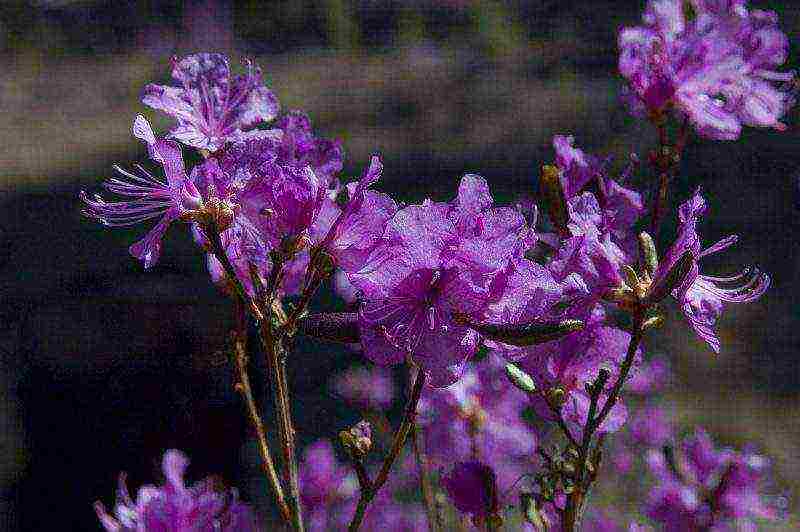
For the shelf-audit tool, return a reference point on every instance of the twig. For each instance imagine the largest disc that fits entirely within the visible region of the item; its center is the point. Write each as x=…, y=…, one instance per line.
x=418, y=442
x=575, y=501
x=243, y=387
x=280, y=394
x=397, y=445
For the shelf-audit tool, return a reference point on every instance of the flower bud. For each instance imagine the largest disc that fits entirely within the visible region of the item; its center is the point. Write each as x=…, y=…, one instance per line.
x=673, y=279
x=529, y=333
x=647, y=253
x=553, y=194
x=556, y=396
x=357, y=440
x=520, y=379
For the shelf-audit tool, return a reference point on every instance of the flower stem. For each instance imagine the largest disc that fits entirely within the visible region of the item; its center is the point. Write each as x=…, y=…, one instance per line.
x=418, y=441
x=583, y=478
x=243, y=387
x=280, y=393
x=397, y=445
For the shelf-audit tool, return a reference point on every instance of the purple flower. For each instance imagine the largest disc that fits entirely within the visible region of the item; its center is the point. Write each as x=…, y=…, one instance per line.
x=299, y=147
x=702, y=297
x=479, y=418
x=366, y=388
x=570, y=362
x=359, y=227
x=147, y=196
x=212, y=107
x=472, y=488
x=175, y=507
x=323, y=483
x=713, y=61
x=617, y=208
x=705, y=488
x=435, y=260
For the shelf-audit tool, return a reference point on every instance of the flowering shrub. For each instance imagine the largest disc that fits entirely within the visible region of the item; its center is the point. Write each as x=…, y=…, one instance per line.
x=523, y=336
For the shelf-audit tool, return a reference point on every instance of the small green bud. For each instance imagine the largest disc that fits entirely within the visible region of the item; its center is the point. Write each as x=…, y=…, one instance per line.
x=631, y=277
x=647, y=252
x=531, y=510
x=556, y=397
x=520, y=379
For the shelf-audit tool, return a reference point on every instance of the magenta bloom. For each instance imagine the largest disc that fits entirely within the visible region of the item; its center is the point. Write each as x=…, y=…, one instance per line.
x=702, y=297
x=358, y=229
x=618, y=208
x=572, y=361
x=435, y=260
x=147, y=196
x=714, y=62
x=708, y=488
x=479, y=418
x=175, y=507
x=212, y=107
x=472, y=488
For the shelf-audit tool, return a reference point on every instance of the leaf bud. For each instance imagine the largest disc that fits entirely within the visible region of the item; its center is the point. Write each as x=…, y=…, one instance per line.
x=553, y=194
x=520, y=379
x=674, y=278
x=648, y=254
x=357, y=440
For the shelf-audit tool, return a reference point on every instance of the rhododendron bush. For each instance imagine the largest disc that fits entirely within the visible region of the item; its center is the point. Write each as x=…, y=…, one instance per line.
x=521, y=329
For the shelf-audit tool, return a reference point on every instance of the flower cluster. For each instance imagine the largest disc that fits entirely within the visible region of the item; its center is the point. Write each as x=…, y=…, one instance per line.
x=701, y=487
x=514, y=326
x=202, y=507
x=713, y=62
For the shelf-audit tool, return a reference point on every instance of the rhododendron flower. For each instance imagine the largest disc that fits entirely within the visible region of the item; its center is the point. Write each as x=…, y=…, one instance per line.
x=576, y=359
x=175, y=507
x=428, y=268
x=472, y=488
x=714, y=62
x=359, y=227
x=148, y=196
x=704, y=488
x=702, y=297
x=212, y=106
x=479, y=418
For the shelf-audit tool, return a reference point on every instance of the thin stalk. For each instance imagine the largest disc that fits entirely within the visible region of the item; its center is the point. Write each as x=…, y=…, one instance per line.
x=397, y=445
x=418, y=441
x=576, y=499
x=280, y=395
x=243, y=387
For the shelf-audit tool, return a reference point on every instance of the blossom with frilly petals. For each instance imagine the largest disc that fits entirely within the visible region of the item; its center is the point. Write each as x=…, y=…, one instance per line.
x=300, y=147
x=360, y=225
x=706, y=488
x=148, y=196
x=570, y=362
x=436, y=260
x=702, y=297
x=211, y=105
x=202, y=507
x=618, y=208
x=479, y=418
x=714, y=62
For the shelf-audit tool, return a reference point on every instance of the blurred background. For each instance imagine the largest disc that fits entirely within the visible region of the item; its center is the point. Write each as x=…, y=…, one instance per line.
x=104, y=365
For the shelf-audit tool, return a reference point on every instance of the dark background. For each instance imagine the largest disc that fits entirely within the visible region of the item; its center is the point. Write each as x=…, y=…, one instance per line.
x=104, y=365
